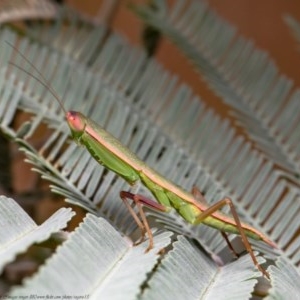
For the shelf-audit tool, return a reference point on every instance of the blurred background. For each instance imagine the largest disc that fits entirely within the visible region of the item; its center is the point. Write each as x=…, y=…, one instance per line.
x=261, y=21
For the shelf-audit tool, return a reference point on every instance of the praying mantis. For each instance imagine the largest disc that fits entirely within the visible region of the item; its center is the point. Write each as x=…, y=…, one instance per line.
x=113, y=155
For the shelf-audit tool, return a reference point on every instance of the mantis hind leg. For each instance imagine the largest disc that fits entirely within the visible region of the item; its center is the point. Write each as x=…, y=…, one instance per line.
x=226, y=201
x=141, y=220
x=200, y=197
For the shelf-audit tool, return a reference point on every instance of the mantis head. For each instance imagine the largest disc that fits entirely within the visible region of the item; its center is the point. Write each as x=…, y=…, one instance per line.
x=77, y=123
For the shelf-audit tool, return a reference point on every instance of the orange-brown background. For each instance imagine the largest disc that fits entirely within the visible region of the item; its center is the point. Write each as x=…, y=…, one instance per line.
x=261, y=21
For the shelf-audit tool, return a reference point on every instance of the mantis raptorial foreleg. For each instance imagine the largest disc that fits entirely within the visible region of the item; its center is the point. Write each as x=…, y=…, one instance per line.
x=142, y=221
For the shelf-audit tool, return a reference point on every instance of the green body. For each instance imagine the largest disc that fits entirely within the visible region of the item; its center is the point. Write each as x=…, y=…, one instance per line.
x=113, y=155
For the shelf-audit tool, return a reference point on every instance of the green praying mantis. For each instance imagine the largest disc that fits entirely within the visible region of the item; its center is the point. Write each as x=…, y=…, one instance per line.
x=113, y=155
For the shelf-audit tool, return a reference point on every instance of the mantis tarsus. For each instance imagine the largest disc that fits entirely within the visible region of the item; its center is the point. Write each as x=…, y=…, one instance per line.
x=109, y=152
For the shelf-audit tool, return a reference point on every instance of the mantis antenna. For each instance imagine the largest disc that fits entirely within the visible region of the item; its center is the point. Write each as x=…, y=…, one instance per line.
x=43, y=82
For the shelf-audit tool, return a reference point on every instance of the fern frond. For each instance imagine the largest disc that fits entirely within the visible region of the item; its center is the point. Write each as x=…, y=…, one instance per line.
x=234, y=170
x=284, y=277
x=18, y=10
x=294, y=27
x=95, y=261
x=242, y=76
x=84, y=35
x=18, y=231
x=201, y=277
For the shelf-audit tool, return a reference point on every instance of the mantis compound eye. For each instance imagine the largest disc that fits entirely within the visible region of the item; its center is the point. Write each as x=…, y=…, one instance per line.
x=76, y=121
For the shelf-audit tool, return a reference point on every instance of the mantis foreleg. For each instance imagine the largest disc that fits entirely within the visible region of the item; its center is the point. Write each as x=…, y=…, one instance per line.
x=142, y=221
